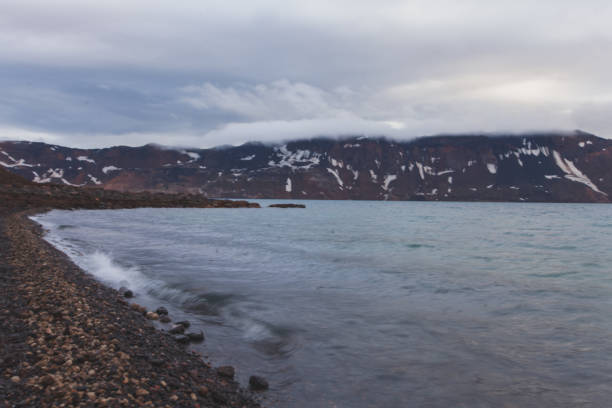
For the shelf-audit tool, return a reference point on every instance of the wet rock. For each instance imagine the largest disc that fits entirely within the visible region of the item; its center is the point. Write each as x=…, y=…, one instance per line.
x=181, y=339
x=15, y=379
x=226, y=371
x=152, y=316
x=196, y=336
x=184, y=323
x=162, y=311
x=258, y=383
x=125, y=292
x=287, y=206
x=203, y=390
x=165, y=319
x=177, y=329
x=138, y=308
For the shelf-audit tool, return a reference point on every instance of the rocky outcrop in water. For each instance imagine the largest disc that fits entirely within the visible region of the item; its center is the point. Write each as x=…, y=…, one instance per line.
x=556, y=167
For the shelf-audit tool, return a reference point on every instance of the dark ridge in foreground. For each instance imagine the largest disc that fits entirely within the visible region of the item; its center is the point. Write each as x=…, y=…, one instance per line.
x=68, y=340
x=553, y=167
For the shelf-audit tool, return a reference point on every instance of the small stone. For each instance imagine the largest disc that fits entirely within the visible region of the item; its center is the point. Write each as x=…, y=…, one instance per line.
x=47, y=380
x=173, y=398
x=181, y=339
x=193, y=397
x=165, y=319
x=196, y=336
x=258, y=383
x=156, y=362
x=226, y=371
x=203, y=390
x=138, y=308
x=161, y=311
x=184, y=323
x=177, y=329
x=126, y=292
x=91, y=395
x=152, y=316
x=15, y=379
x=218, y=397
x=141, y=392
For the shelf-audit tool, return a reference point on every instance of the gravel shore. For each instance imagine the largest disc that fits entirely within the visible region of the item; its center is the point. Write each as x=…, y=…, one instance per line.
x=68, y=340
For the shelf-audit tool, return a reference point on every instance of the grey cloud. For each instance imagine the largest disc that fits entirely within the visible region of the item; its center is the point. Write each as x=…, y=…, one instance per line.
x=207, y=72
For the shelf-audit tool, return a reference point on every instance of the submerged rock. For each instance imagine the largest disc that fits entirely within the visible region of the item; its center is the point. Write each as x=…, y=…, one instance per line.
x=162, y=311
x=196, y=336
x=184, y=323
x=226, y=371
x=181, y=339
x=258, y=383
x=177, y=329
x=165, y=319
x=125, y=292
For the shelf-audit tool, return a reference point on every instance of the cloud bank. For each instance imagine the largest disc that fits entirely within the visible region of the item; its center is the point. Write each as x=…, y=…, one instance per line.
x=204, y=73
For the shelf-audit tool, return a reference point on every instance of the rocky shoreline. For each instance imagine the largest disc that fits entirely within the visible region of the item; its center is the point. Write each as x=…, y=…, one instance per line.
x=67, y=340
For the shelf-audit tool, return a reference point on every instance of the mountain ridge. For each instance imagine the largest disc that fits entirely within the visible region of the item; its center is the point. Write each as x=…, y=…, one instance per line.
x=540, y=167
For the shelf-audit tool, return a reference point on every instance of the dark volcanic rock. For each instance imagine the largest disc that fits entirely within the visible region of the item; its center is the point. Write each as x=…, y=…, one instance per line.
x=258, y=383
x=226, y=371
x=177, y=329
x=196, y=337
x=287, y=206
x=184, y=323
x=553, y=167
x=161, y=311
x=181, y=339
x=126, y=292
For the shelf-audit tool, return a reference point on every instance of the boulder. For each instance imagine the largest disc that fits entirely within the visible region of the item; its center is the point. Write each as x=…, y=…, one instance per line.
x=184, y=323
x=181, y=339
x=258, y=383
x=125, y=292
x=177, y=329
x=152, y=316
x=287, y=206
x=226, y=371
x=196, y=336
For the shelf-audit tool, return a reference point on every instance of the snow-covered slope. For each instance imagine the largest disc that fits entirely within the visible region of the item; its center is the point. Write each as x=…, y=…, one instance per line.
x=574, y=167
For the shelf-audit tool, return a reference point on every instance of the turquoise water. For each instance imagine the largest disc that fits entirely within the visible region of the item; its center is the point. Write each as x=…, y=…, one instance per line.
x=377, y=304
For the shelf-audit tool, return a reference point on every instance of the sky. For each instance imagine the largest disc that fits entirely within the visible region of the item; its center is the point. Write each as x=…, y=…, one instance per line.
x=203, y=73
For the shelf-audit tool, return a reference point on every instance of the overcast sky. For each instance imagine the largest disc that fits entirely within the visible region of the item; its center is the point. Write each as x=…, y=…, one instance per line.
x=202, y=73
